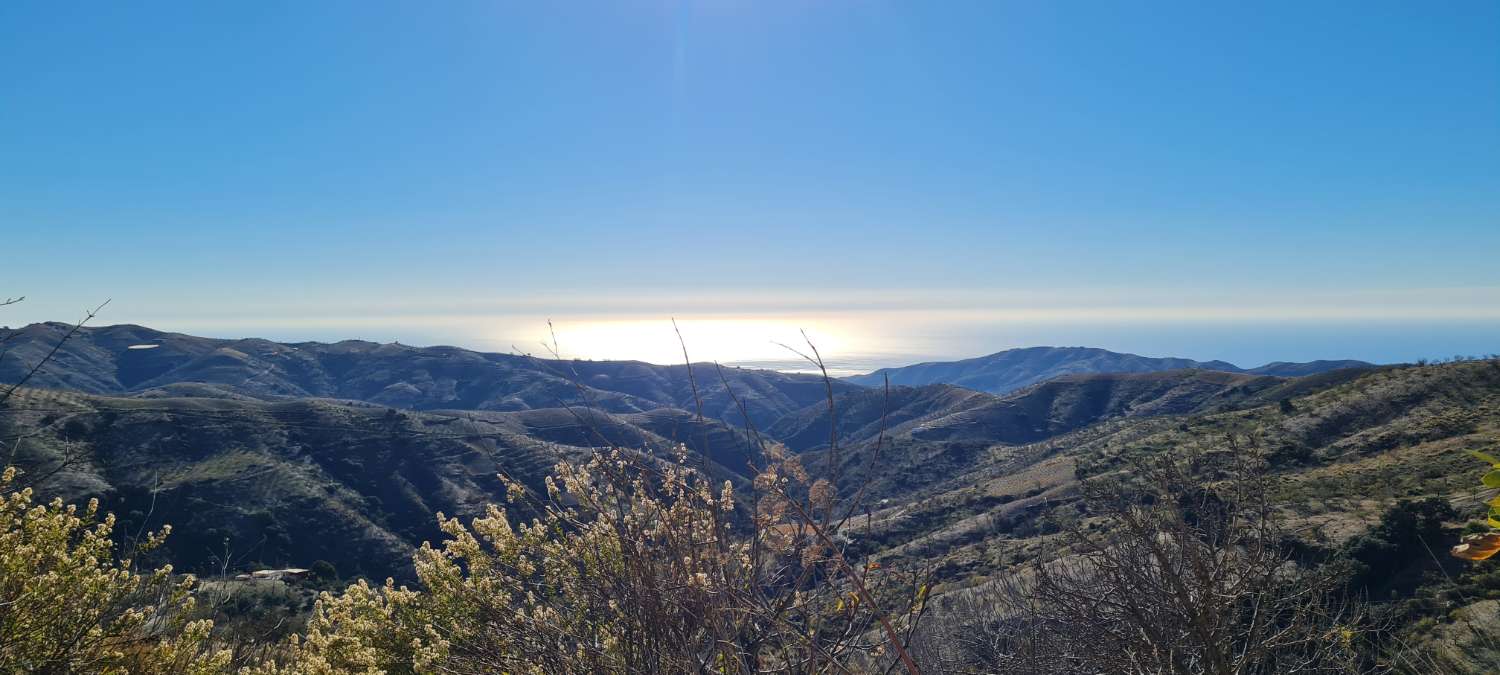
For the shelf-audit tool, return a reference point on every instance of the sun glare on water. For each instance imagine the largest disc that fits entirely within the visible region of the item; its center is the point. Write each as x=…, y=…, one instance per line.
x=732, y=340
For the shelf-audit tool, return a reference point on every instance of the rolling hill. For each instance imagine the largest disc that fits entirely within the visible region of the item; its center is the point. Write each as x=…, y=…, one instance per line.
x=290, y=482
x=135, y=361
x=1347, y=446
x=1007, y=371
x=923, y=445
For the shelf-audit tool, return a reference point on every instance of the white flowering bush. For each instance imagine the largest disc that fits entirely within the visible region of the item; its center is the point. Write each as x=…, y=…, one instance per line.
x=68, y=605
x=364, y=630
x=631, y=565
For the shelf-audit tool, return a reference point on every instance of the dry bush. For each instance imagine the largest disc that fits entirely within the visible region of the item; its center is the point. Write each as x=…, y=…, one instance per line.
x=634, y=565
x=1192, y=574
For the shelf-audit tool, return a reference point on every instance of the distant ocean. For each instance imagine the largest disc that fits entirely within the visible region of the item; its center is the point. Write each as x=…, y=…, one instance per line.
x=852, y=348
x=839, y=365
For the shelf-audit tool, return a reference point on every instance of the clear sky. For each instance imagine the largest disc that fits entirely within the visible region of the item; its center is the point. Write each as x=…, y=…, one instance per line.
x=1247, y=181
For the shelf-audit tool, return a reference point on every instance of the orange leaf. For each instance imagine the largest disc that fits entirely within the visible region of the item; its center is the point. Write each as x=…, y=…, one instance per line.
x=1478, y=547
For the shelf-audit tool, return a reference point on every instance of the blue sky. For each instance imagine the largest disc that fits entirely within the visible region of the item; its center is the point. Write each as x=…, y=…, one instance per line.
x=1245, y=181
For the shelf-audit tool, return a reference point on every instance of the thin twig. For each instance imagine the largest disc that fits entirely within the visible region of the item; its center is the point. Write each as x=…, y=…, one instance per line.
x=76, y=327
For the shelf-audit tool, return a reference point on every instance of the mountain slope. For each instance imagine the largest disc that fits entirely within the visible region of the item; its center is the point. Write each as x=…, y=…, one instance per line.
x=1013, y=369
x=923, y=450
x=290, y=482
x=1286, y=369
x=861, y=413
x=1343, y=451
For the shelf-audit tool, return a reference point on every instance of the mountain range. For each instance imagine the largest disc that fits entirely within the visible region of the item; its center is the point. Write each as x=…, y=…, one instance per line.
x=1007, y=371
x=137, y=361
x=134, y=361
x=284, y=453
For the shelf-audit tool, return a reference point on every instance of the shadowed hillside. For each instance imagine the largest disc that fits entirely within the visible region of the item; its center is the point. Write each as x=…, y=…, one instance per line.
x=290, y=482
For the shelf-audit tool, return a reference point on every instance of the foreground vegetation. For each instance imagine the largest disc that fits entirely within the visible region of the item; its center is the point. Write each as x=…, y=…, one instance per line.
x=68, y=604
x=638, y=565
x=634, y=565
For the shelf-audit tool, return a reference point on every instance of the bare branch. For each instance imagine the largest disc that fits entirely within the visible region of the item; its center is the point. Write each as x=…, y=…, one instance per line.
x=71, y=332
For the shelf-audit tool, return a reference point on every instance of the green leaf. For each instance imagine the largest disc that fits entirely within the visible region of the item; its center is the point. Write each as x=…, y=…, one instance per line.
x=1494, y=522
x=1491, y=479
x=1486, y=458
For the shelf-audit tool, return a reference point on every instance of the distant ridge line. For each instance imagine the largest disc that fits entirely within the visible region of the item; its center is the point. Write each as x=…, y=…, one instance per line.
x=1013, y=369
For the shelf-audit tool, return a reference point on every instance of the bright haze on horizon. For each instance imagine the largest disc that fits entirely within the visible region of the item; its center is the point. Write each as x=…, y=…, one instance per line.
x=906, y=181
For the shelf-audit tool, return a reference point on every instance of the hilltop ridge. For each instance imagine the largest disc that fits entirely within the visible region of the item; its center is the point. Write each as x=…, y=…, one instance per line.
x=1013, y=369
x=135, y=361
